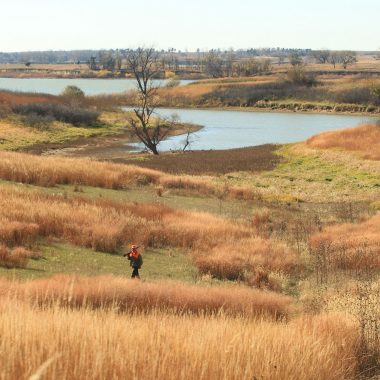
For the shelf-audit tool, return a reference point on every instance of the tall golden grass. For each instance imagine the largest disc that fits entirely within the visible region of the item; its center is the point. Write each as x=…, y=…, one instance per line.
x=50, y=171
x=14, y=233
x=130, y=295
x=350, y=245
x=242, y=258
x=13, y=258
x=84, y=344
x=224, y=248
x=106, y=225
x=364, y=139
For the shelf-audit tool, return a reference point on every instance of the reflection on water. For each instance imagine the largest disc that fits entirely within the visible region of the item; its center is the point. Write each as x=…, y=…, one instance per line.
x=237, y=129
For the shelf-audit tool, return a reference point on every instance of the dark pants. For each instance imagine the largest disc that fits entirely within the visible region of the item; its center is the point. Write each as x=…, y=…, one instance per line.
x=135, y=273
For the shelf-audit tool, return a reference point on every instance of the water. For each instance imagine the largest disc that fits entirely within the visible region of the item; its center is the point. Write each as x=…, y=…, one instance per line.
x=55, y=86
x=237, y=129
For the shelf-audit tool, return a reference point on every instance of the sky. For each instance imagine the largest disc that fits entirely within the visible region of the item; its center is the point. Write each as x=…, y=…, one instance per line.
x=27, y=25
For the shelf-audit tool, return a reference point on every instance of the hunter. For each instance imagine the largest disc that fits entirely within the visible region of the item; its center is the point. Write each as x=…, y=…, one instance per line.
x=136, y=261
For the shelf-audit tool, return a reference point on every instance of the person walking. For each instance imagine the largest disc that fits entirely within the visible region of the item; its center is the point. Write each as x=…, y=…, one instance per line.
x=136, y=261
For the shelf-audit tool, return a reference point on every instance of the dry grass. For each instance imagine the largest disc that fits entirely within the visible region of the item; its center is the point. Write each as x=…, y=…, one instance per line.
x=106, y=225
x=15, y=258
x=49, y=171
x=84, y=344
x=230, y=249
x=10, y=98
x=131, y=295
x=241, y=259
x=14, y=233
x=349, y=245
x=364, y=139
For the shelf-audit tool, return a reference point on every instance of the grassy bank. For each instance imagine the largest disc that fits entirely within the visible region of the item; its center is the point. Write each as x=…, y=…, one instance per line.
x=276, y=92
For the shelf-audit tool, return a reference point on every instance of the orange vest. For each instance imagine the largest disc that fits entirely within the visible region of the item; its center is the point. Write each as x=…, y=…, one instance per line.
x=134, y=254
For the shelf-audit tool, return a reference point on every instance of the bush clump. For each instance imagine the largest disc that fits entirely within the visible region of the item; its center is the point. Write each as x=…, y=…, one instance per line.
x=56, y=112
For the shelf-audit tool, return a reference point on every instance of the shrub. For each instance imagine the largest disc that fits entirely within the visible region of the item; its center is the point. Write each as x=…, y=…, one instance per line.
x=73, y=96
x=173, y=82
x=38, y=121
x=356, y=95
x=75, y=116
x=298, y=75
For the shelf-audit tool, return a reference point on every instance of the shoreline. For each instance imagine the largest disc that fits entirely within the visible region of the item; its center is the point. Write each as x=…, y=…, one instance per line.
x=270, y=110
x=111, y=144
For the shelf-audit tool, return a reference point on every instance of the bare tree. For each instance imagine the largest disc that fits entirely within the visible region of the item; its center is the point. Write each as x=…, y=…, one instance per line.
x=150, y=130
x=334, y=58
x=321, y=56
x=347, y=58
x=295, y=59
x=214, y=64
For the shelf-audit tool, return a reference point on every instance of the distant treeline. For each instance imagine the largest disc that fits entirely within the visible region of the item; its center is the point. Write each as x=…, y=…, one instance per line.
x=85, y=56
x=214, y=63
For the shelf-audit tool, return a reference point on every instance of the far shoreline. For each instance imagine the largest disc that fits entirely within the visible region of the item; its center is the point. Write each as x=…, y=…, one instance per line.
x=269, y=110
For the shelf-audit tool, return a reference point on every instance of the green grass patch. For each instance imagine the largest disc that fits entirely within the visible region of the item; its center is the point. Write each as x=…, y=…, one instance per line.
x=64, y=258
x=310, y=177
x=22, y=137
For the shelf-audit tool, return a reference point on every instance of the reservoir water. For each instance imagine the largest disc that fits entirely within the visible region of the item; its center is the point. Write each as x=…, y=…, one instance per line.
x=237, y=129
x=221, y=129
x=55, y=86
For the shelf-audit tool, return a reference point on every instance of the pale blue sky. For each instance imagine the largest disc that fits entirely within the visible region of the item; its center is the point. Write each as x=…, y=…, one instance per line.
x=94, y=24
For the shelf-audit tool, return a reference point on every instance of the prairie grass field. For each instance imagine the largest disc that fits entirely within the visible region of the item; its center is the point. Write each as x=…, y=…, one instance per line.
x=172, y=346
x=259, y=263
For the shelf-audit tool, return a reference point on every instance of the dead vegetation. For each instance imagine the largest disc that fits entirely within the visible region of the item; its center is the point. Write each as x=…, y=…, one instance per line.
x=364, y=139
x=14, y=258
x=126, y=295
x=178, y=347
x=349, y=245
x=254, y=159
x=245, y=258
x=49, y=171
x=106, y=226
